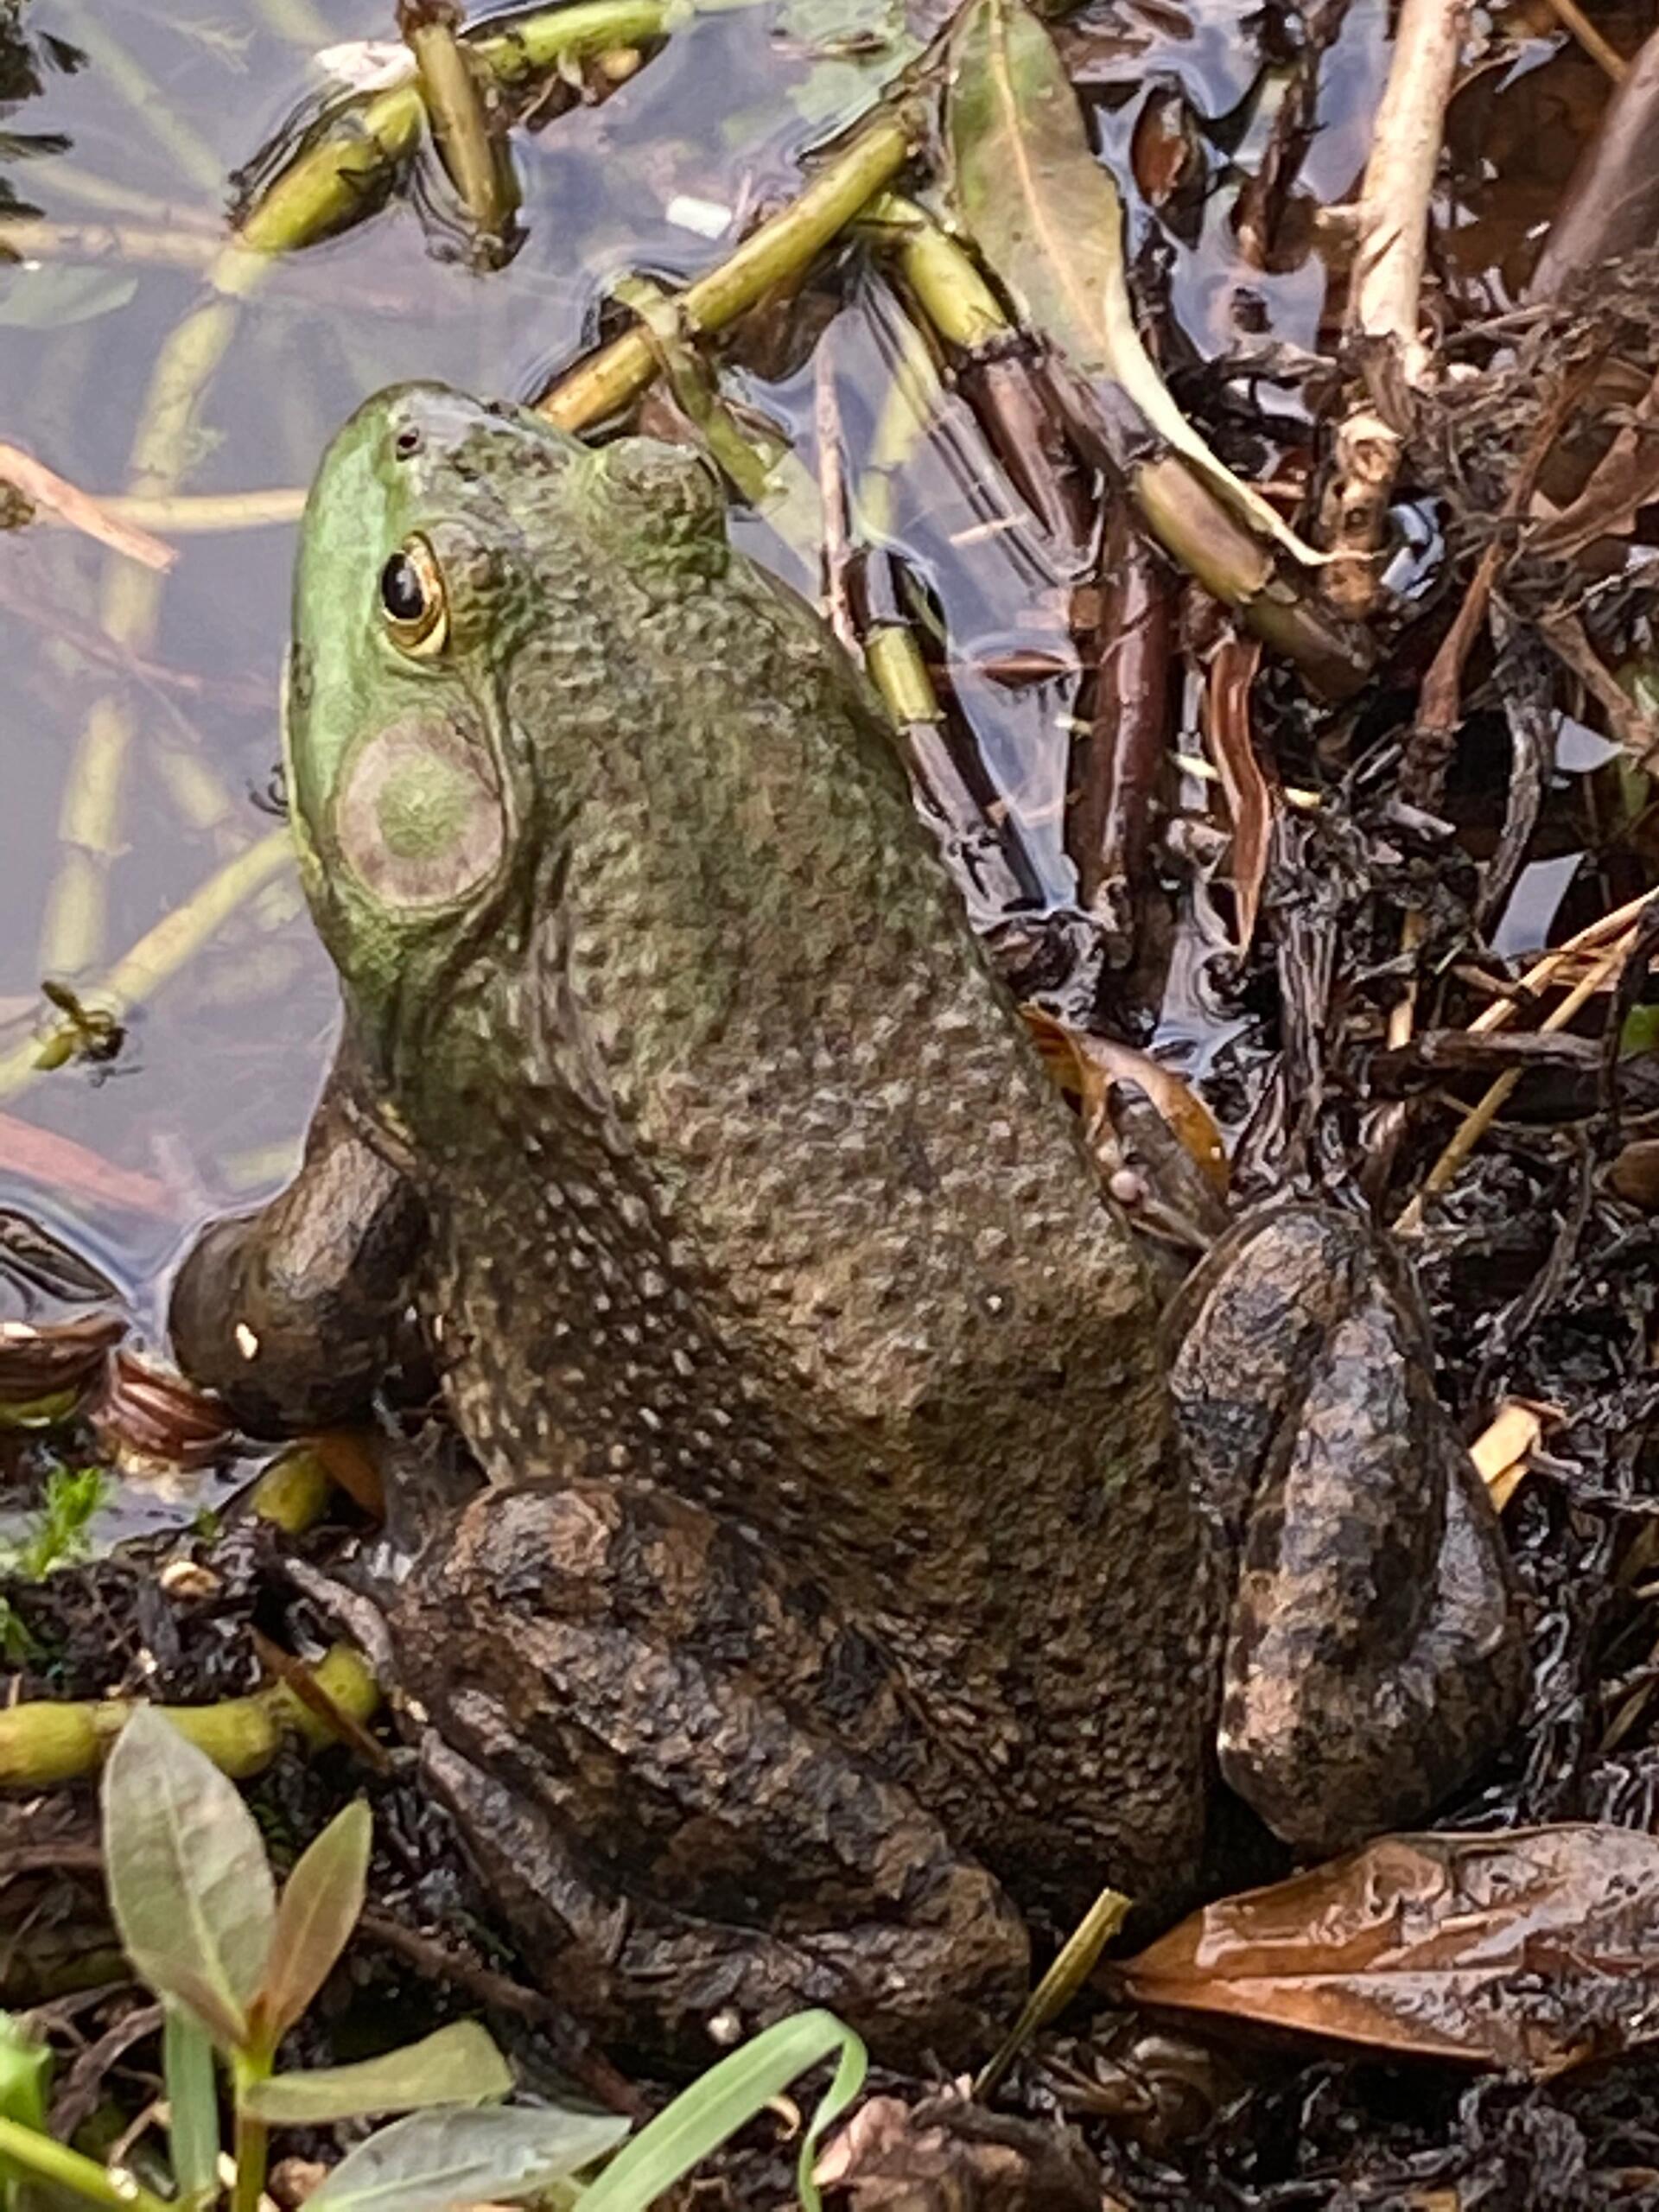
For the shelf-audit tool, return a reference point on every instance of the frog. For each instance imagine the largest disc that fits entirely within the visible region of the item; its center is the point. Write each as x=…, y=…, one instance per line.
x=861, y=1567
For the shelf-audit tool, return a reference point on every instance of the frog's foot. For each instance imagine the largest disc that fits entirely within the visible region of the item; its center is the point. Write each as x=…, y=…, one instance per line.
x=689, y=1783
x=293, y=1314
x=1375, y=1659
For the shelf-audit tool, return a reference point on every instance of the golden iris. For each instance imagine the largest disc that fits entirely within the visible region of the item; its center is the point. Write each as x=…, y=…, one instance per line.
x=413, y=602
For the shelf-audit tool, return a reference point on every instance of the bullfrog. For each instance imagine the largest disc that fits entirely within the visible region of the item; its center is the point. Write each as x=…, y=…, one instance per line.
x=863, y=1567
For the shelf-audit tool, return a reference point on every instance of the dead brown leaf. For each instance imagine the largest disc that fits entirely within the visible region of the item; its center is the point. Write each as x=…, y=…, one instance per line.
x=1624, y=479
x=1250, y=803
x=149, y=1415
x=1087, y=1066
x=946, y=2154
x=1535, y=1949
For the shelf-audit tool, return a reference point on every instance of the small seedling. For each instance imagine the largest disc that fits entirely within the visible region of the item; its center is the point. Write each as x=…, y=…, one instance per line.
x=236, y=1963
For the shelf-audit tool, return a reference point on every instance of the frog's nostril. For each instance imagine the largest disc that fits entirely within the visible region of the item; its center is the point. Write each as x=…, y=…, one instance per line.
x=408, y=442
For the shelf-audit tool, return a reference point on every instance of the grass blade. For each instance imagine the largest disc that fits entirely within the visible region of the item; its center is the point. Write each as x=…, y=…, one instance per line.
x=726, y=2098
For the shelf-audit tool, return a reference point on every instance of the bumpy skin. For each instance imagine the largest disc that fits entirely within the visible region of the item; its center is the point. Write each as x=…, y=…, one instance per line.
x=856, y=1582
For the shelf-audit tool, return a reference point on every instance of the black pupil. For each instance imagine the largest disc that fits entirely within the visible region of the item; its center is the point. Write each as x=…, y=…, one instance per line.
x=402, y=592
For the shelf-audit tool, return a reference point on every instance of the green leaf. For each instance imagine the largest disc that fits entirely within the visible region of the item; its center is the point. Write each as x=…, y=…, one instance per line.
x=726, y=2098
x=54, y=295
x=192, y=2105
x=320, y=1906
x=25, y=2071
x=436, y=2160
x=457, y=2065
x=1046, y=216
x=189, y=1882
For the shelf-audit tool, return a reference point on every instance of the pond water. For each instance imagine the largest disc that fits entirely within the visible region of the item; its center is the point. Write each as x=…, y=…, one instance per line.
x=138, y=734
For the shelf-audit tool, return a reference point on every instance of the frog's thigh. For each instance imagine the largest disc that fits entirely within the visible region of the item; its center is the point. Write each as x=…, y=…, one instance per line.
x=1373, y=1662
x=663, y=1769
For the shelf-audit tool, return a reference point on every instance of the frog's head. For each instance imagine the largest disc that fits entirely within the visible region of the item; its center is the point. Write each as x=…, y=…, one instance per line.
x=441, y=538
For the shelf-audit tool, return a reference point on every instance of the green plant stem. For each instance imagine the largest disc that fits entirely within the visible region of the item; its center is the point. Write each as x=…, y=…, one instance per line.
x=941, y=273
x=71, y=936
x=601, y=385
x=1072, y=1967
x=293, y=1492
x=453, y=81
x=330, y=179
x=188, y=513
x=252, y=2138
x=351, y=159
x=55, y=2162
x=44, y=1742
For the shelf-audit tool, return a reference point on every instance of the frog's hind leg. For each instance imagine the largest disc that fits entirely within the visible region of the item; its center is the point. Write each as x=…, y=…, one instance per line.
x=693, y=1783
x=1374, y=1661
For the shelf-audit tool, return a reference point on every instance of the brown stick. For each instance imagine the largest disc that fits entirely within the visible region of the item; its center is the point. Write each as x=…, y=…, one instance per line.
x=1115, y=766
x=1611, y=205
x=1383, y=312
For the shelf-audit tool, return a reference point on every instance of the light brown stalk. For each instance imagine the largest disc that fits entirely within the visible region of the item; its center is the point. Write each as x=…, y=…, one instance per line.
x=46, y=489
x=1481, y=1116
x=1384, y=298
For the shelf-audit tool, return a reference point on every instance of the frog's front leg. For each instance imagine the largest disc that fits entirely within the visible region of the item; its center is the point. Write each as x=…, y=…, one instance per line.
x=1375, y=1660
x=290, y=1313
x=693, y=1789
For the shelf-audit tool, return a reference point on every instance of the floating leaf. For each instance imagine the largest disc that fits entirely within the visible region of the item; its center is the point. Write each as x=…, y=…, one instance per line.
x=726, y=2098
x=1536, y=1949
x=456, y=2065
x=189, y=1883
x=320, y=1906
x=1048, y=218
x=51, y=297
x=438, y=2158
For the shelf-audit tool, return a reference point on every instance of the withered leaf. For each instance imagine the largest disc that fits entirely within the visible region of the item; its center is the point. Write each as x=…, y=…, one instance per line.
x=1535, y=1949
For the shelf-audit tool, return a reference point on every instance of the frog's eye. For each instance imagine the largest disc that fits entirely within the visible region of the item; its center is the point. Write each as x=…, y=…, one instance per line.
x=413, y=605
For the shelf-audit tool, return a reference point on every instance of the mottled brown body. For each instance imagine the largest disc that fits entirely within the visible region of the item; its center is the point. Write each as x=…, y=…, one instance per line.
x=859, y=1586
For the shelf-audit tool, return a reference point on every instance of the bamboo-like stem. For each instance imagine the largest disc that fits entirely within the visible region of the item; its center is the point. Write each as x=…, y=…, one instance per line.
x=44, y=1742
x=352, y=157
x=603, y=385
x=452, y=83
x=942, y=274
x=1384, y=298
x=55, y=2162
x=186, y=514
